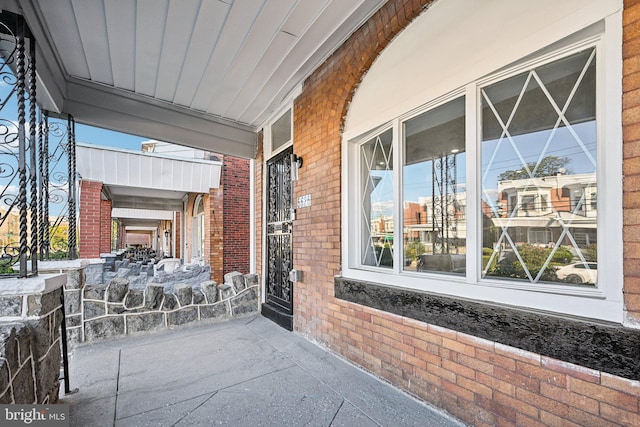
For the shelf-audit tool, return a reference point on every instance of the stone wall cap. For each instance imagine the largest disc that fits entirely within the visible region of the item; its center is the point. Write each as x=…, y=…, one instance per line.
x=41, y=284
x=63, y=264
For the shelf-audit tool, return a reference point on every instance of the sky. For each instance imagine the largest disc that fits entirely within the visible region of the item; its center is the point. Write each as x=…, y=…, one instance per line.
x=103, y=137
x=497, y=157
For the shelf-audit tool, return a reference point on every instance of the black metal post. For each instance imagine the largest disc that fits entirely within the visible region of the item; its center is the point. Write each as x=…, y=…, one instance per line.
x=65, y=350
x=72, y=187
x=33, y=176
x=22, y=148
x=44, y=179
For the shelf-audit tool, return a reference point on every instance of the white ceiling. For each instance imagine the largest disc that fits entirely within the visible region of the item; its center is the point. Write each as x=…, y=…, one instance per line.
x=203, y=73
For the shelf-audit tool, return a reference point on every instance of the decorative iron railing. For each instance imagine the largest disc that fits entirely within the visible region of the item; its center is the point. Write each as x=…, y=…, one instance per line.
x=444, y=205
x=37, y=162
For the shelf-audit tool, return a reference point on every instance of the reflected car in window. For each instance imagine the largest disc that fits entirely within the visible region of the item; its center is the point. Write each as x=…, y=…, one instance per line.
x=579, y=272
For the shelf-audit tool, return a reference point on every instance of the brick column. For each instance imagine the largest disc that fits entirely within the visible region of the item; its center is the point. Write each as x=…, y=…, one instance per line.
x=214, y=211
x=236, y=228
x=177, y=249
x=105, y=226
x=89, y=219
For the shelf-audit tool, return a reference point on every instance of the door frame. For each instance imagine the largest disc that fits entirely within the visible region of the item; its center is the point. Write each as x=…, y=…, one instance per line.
x=277, y=313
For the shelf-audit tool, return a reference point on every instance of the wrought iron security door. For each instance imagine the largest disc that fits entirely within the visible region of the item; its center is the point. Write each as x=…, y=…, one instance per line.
x=279, y=290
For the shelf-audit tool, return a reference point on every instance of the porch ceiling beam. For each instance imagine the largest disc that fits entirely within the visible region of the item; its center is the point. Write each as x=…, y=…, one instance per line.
x=152, y=203
x=139, y=115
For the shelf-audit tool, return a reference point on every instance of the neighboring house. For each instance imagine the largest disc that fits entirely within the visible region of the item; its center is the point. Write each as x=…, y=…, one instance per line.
x=9, y=228
x=539, y=209
x=167, y=199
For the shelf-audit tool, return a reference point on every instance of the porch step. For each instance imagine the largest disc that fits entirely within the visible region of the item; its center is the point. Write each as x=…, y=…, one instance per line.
x=278, y=315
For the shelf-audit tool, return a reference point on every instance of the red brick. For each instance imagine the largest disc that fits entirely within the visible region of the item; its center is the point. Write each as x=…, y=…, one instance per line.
x=615, y=414
x=520, y=381
x=496, y=384
x=605, y=395
x=509, y=401
x=517, y=354
x=572, y=370
x=541, y=374
x=621, y=384
x=575, y=400
x=541, y=402
x=497, y=360
x=548, y=419
x=475, y=386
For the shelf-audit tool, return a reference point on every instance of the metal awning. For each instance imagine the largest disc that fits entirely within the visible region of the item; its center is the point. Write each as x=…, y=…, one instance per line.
x=146, y=181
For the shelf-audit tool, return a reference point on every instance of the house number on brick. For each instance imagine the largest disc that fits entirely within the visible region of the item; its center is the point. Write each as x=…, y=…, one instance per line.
x=304, y=201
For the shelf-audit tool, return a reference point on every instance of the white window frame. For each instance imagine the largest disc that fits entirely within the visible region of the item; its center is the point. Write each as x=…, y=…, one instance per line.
x=603, y=302
x=198, y=231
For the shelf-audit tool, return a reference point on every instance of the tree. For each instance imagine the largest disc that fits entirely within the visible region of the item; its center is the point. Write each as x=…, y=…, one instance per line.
x=549, y=166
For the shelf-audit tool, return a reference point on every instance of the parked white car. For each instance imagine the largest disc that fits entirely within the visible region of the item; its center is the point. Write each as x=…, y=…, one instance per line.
x=579, y=272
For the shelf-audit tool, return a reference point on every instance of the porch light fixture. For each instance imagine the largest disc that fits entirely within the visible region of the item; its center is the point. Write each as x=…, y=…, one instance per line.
x=296, y=164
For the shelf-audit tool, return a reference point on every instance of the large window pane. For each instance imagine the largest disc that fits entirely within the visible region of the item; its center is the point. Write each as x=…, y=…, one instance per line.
x=376, y=168
x=539, y=174
x=434, y=193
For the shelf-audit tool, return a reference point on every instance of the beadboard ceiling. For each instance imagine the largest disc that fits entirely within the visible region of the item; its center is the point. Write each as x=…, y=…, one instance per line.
x=202, y=73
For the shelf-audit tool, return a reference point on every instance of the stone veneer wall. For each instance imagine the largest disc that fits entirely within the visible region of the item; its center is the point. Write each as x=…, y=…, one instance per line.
x=96, y=312
x=30, y=356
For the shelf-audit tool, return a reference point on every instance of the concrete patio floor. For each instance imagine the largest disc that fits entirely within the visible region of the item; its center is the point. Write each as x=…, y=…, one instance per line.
x=245, y=372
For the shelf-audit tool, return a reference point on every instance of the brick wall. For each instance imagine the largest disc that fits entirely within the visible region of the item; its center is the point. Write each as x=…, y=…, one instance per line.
x=177, y=249
x=479, y=381
x=236, y=221
x=631, y=161
x=90, y=219
x=476, y=380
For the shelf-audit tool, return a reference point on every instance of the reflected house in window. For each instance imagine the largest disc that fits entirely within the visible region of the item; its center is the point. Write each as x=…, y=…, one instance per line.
x=419, y=223
x=536, y=211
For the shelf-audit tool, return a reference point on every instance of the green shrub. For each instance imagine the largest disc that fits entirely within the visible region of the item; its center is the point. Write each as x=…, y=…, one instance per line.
x=591, y=253
x=486, y=256
x=413, y=250
x=562, y=255
x=534, y=258
x=387, y=255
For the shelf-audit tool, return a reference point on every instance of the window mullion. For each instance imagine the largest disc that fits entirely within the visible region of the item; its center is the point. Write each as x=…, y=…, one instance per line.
x=473, y=168
x=398, y=160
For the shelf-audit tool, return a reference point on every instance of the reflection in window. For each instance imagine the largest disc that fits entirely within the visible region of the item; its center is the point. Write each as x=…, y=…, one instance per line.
x=376, y=168
x=539, y=159
x=434, y=196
